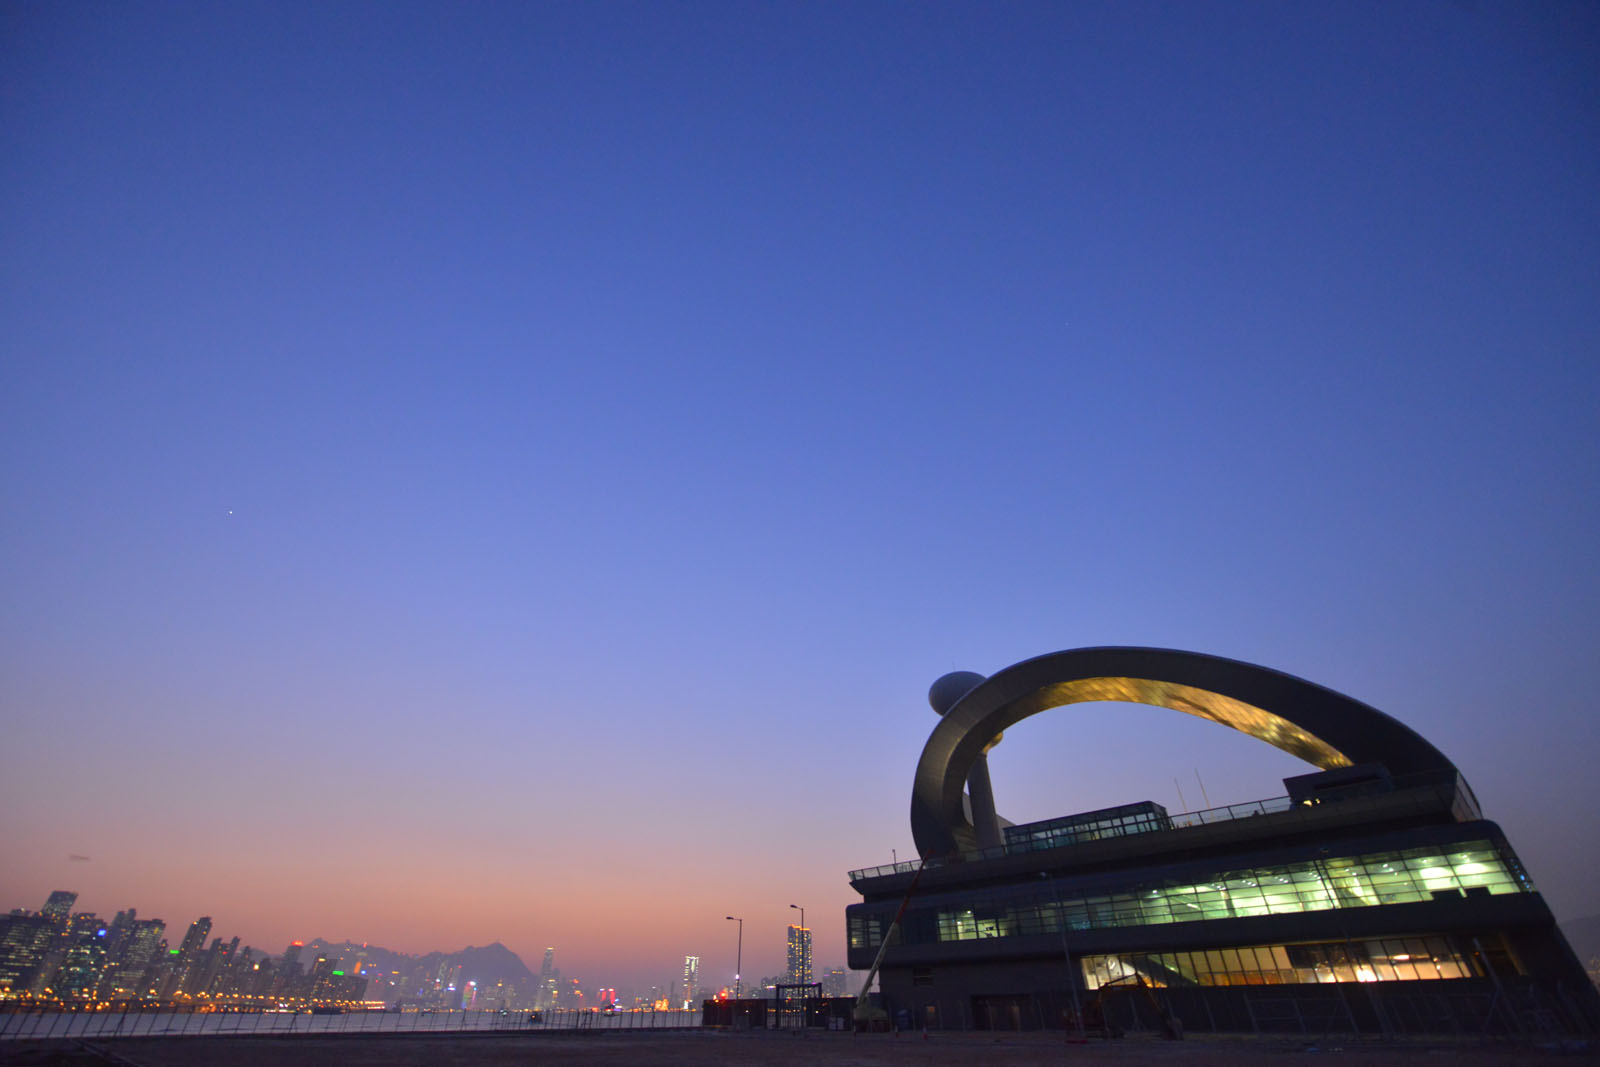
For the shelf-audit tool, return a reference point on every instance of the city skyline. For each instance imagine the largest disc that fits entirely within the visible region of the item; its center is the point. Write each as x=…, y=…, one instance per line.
x=511, y=474
x=128, y=942
x=67, y=956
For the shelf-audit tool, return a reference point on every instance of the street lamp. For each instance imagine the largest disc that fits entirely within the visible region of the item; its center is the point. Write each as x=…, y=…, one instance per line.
x=738, y=966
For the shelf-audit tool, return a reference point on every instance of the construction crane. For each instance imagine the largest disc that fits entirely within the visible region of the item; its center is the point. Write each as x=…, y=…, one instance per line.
x=864, y=1012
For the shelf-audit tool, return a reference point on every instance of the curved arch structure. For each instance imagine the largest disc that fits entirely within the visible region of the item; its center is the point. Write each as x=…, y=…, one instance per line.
x=1320, y=726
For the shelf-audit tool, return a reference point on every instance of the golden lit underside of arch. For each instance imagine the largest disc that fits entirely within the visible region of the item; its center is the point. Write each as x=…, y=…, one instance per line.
x=1322, y=727
x=1246, y=718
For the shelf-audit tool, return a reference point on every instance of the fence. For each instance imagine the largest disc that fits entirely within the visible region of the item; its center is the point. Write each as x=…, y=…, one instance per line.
x=1413, y=793
x=36, y=1024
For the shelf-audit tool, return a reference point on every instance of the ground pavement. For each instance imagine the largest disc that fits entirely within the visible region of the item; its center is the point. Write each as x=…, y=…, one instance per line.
x=763, y=1049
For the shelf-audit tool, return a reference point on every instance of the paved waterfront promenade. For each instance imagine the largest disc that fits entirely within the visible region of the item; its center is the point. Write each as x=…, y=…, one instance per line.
x=761, y=1049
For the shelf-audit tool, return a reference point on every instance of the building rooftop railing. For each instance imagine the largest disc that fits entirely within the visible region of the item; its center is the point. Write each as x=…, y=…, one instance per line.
x=1460, y=796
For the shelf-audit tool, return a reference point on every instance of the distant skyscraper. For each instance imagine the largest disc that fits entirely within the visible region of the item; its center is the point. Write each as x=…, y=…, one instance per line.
x=195, y=939
x=322, y=976
x=59, y=907
x=218, y=962
x=118, y=933
x=131, y=949
x=84, y=962
x=263, y=977
x=188, y=955
x=549, y=981
x=24, y=942
x=835, y=982
x=445, y=991
x=287, y=981
x=236, y=975
x=799, y=955
x=203, y=970
x=691, y=979
x=158, y=973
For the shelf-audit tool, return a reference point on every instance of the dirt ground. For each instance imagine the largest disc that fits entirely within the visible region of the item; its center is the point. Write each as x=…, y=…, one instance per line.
x=762, y=1049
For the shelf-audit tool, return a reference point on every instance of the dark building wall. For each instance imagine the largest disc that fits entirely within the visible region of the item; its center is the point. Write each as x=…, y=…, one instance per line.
x=1504, y=935
x=1024, y=998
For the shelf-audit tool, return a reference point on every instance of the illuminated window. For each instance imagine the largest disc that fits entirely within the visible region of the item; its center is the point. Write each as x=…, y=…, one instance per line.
x=1395, y=877
x=1384, y=960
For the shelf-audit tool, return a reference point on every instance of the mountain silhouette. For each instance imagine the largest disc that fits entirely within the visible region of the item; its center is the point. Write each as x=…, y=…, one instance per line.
x=487, y=965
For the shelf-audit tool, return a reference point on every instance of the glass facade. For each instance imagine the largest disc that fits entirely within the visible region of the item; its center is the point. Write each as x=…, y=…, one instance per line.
x=1386, y=960
x=1391, y=877
x=1090, y=826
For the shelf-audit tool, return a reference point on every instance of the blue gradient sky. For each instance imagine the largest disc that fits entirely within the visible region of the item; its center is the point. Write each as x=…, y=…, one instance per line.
x=512, y=471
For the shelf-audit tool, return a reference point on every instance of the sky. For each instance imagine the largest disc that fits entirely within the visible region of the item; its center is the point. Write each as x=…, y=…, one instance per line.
x=512, y=471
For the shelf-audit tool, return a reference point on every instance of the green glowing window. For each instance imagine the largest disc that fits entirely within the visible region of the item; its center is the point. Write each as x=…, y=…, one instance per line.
x=1316, y=885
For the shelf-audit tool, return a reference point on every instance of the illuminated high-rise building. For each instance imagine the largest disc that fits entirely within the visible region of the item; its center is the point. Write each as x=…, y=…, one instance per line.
x=799, y=956
x=158, y=974
x=119, y=931
x=218, y=960
x=549, y=982
x=323, y=974
x=263, y=977
x=202, y=976
x=25, y=940
x=144, y=946
x=187, y=956
x=59, y=907
x=83, y=963
x=195, y=939
x=691, y=979
x=131, y=947
x=236, y=972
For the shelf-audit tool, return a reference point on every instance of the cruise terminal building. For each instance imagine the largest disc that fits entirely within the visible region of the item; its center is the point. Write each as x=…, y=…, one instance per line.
x=1371, y=896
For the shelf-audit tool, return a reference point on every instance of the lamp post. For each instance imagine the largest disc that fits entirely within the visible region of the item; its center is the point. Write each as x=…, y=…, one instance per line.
x=738, y=966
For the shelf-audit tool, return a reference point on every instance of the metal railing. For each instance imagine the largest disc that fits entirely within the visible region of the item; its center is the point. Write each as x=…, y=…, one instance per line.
x=1406, y=792
x=42, y=1024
